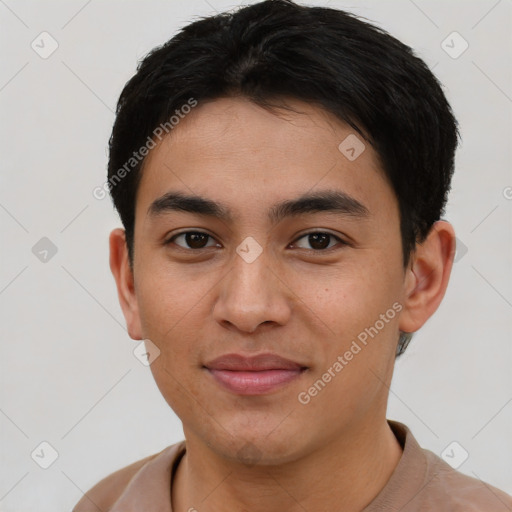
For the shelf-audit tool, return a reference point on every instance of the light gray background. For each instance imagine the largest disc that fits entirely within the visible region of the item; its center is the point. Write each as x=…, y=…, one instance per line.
x=68, y=374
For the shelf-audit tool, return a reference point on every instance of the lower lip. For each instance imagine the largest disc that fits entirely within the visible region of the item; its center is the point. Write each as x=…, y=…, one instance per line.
x=254, y=383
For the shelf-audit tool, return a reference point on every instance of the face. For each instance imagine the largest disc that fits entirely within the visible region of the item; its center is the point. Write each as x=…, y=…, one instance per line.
x=319, y=281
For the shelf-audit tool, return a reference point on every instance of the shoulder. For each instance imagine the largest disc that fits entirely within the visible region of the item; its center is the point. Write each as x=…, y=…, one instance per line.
x=424, y=481
x=106, y=492
x=457, y=491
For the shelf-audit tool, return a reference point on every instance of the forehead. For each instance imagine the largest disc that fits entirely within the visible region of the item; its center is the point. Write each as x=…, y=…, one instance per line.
x=228, y=126
x=233, y=150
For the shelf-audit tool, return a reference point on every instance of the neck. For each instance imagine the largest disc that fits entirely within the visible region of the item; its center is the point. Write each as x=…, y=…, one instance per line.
x=346, y=474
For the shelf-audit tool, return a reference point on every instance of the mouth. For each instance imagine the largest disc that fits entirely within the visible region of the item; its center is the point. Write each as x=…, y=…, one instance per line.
x=254, y=375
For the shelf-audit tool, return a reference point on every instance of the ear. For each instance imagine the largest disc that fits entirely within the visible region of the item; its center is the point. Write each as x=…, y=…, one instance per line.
x=120, y=267
x=427, y=276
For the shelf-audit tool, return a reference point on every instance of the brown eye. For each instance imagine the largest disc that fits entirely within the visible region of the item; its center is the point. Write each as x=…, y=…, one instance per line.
x=318, y=241
x=192, y=240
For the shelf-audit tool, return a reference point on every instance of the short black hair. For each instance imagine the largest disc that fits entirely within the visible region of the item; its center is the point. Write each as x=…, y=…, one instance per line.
x=277, y=49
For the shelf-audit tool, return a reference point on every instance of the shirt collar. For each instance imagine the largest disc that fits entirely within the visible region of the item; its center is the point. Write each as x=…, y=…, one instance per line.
x=150, y=487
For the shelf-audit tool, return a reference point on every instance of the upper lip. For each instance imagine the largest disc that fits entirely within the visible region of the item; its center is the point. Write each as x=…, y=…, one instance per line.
x=260, y=362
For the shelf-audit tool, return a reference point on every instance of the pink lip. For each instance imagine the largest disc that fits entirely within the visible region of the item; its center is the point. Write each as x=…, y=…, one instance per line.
x=253, y=375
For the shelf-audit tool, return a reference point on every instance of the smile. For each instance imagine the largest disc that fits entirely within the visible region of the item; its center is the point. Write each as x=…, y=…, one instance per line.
x=254, y=382
x=254, y=375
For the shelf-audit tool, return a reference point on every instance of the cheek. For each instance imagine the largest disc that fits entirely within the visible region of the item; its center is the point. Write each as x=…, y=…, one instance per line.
x=179, y=393
x=359, y=312
x=166, y=297
x=349, y=380
x=346, y=299
x=172, y=316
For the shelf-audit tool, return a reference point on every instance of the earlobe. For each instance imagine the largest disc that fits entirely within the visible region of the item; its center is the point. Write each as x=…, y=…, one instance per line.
x=427, y=276
x=123, y=275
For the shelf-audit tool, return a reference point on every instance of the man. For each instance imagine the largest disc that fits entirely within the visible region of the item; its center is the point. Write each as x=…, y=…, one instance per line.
x=281, y=173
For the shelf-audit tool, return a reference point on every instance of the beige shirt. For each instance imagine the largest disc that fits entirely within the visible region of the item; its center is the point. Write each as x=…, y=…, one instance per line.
x=421, y=482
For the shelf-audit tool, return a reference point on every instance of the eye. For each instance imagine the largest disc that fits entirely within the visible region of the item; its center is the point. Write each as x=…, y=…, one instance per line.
x=192, y=239
x=319, y=240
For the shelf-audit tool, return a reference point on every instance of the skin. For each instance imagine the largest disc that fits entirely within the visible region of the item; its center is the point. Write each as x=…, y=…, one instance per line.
x=270, y=452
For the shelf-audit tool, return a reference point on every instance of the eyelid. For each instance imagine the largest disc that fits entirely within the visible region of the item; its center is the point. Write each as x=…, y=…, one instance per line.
x=321, y=231
x=170, y=239
x=340, y=240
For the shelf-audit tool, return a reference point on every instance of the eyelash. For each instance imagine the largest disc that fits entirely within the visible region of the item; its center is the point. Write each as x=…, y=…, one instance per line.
x=339, y=240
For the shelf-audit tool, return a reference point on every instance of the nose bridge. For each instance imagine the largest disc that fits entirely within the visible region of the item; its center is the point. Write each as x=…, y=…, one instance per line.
x=251, y=294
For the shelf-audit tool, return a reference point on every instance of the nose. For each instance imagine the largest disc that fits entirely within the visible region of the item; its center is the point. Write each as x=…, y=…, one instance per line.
x=252, y=294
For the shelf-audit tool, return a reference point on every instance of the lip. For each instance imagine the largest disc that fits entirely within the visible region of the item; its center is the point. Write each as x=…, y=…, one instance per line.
x=254, y=375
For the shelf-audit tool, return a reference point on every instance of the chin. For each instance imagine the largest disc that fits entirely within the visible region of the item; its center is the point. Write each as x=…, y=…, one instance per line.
x=254, y=449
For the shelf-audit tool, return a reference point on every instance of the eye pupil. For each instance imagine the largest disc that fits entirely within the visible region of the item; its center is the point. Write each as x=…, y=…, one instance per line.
x=319, y=240
x=198, y=240
x=195, y=240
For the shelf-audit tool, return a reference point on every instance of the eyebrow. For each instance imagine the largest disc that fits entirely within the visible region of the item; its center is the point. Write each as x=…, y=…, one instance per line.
x=333, y=201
